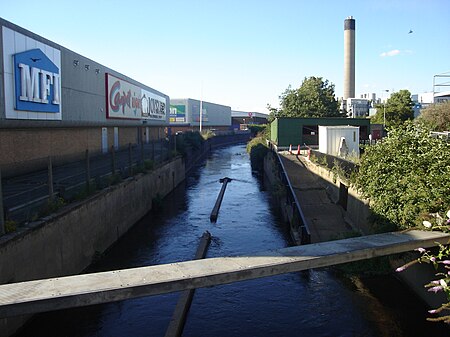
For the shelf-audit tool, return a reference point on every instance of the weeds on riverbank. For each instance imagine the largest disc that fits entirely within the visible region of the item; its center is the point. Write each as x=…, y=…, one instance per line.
x=257, y=149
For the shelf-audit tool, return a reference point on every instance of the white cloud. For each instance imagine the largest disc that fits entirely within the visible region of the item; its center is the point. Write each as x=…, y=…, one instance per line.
x=393, y=52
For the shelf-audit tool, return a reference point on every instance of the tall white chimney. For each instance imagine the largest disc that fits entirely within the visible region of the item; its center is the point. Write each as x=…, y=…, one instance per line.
x=349, y=57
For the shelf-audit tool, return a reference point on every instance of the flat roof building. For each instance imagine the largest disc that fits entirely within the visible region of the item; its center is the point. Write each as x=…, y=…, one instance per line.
x=185, y=115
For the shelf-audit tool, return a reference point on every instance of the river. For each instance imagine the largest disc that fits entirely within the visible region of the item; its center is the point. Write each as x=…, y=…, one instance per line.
x=310, y=303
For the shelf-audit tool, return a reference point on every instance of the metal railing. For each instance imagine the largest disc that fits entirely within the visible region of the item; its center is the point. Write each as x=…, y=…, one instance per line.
x=291, y=199
x=25, y=197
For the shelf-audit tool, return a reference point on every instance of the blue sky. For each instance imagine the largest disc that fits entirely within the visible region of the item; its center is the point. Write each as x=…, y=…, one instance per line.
x=245, y=53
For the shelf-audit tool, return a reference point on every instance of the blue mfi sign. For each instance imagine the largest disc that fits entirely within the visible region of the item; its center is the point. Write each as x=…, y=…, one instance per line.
x=37, y=82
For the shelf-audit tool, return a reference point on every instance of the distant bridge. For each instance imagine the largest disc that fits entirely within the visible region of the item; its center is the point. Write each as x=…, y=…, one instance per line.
x=87, y=289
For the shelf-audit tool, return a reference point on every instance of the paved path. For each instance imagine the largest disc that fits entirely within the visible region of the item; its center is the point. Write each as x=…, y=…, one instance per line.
x=325, y=218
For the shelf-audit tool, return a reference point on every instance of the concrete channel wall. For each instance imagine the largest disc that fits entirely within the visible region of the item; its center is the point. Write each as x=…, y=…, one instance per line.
x=66, y=243
x=357, y=210
x=279, y=190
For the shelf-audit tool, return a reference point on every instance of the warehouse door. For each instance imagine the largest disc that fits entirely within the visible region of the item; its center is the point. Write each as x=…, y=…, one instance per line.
x=104, y=140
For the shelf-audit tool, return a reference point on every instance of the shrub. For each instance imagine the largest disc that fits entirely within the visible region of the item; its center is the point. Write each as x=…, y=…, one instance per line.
x=51, y=206
x=10, y=226
x=406, y=176
x=256, y=129
x=189, y=139
x=257, y=149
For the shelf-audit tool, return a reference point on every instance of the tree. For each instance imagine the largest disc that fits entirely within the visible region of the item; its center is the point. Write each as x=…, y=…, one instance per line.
x=436, y=116
x=314, y=98
x=406, y=177
x=398, y=109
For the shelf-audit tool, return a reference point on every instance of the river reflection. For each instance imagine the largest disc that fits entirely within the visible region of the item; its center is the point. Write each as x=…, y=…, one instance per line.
x=310, y=303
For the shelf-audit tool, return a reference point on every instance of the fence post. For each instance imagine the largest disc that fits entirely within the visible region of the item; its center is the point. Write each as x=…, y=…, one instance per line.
x=2, y=219
x=113, y=160
x=153, y=150
x=169, y=150
x=175, y=141
x=88, y=170
x=50, y=178
x=130, y=160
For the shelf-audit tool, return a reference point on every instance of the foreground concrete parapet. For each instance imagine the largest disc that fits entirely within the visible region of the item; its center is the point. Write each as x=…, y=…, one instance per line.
x=74, y=291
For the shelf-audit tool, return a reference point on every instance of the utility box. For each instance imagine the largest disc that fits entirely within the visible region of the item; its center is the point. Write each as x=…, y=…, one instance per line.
x=339, y=141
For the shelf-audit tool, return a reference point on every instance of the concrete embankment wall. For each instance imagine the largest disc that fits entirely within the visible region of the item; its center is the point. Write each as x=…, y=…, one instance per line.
x=66, y=242
x=357, y=210
x=279, y=191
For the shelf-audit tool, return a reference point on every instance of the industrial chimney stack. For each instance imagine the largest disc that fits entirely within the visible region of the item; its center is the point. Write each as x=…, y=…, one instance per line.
x=349, y=58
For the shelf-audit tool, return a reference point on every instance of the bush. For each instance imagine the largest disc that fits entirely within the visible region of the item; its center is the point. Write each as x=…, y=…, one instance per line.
x=257, y=149
x=406, y=176
x=114, y=179
x=10, y=226
x=256, y=129
x=208, y=134
x=149, y=164
x=189, y=139
x=51, y=206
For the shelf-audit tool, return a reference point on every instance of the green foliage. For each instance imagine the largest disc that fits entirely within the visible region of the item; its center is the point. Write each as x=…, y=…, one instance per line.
x=51, y=206
x=319, y=159
x=314, y=98
x=10, y=226
x=157, y=203
x=258, y=129
x=436, y=116
x=398, y=109
x=441, y=263
x=189, y=139
x=85, y=192
x=405, y=177
x=340, y=173
x=114, y=179
x=149, y=164
x=257, y=149
x=208, y=134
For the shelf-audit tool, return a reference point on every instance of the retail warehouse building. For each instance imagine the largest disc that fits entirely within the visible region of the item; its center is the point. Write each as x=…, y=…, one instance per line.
x=185, y=115
x=55, y=102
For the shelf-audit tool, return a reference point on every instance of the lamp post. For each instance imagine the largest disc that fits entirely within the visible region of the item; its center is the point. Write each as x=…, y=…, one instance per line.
x=201, y=114
x=201, y=109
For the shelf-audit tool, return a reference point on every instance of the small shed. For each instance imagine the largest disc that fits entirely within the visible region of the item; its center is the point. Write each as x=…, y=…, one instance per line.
x=286, y=131
x=340, y=141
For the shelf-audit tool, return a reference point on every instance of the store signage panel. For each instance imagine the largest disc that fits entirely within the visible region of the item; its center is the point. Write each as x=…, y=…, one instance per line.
x=37, y=82
x=177, y=114
x=129, y=101
x=32, y=78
